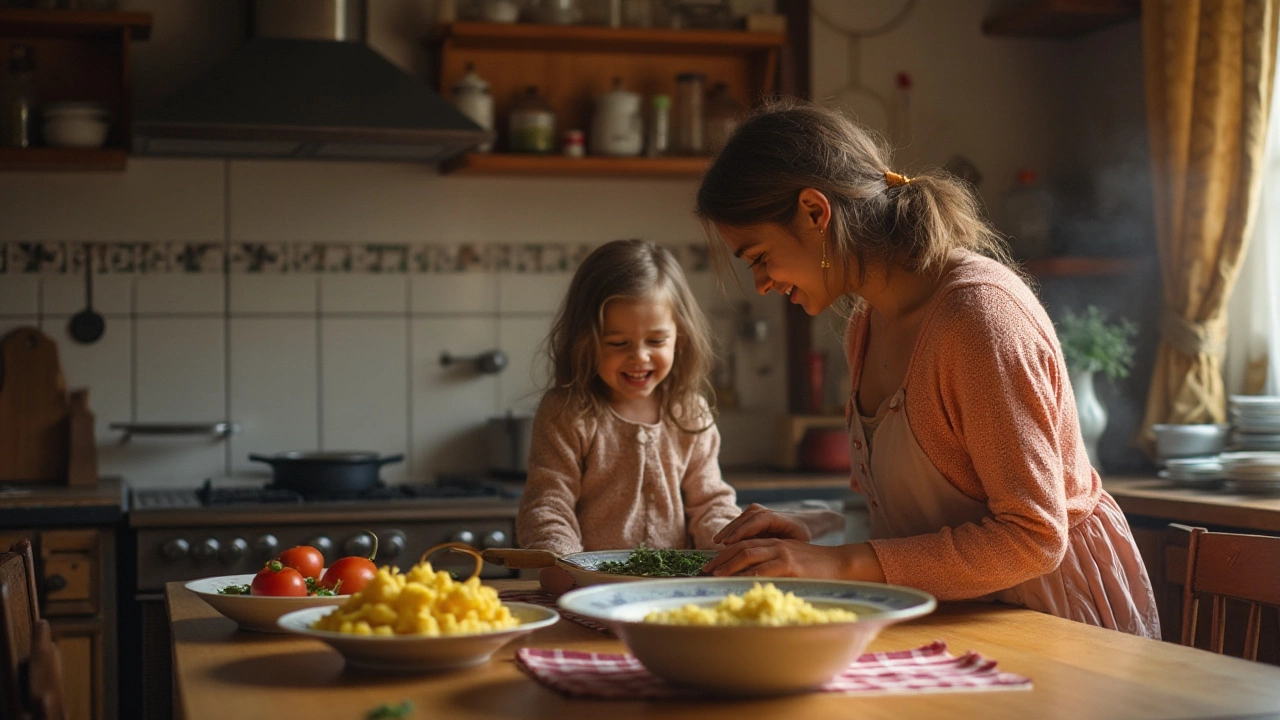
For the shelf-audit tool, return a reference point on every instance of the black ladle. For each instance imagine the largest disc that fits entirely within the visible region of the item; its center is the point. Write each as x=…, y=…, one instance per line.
x=86, y=327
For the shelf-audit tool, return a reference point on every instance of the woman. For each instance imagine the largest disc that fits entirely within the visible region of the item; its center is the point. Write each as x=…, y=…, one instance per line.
x=963, y=430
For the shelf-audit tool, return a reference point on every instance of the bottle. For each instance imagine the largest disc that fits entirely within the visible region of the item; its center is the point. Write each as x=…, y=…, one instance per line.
x=659, y=142
x=721, y=118
x=688, y=113
x=1027, y=211
x=533, y=124
x=471, y=97
x=17, y=114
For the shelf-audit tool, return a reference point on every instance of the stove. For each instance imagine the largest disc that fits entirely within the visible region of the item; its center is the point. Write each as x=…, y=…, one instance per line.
x=230, y=529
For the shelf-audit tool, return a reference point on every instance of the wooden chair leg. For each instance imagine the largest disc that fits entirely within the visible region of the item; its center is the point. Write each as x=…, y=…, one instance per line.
x=1252, y=631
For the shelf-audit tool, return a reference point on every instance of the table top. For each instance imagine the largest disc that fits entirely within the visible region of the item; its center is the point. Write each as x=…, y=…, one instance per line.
x=1153, y=497
x=1078, y=671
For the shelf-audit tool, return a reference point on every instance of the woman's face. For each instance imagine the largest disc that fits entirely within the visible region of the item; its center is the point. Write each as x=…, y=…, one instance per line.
x=787, y=261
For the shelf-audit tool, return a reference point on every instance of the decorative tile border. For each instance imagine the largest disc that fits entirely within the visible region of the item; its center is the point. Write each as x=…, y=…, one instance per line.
x=124, y=258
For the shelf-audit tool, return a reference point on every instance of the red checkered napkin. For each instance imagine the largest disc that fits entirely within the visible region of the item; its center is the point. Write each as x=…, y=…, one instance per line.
x=604, y=676
x=546, y=599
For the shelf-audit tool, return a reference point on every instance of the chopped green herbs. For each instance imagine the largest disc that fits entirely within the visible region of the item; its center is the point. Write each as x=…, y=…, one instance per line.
x=234, y=590
x=314, y=589
x=658, y=563
x=387, y=711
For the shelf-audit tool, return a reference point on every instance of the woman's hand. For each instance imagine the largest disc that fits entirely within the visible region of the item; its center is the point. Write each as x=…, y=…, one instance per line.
x=757, y=521
x=771, y=557
x=555, y=581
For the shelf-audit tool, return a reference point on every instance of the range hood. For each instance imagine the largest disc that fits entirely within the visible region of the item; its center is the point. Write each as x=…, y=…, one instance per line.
x=307, y=86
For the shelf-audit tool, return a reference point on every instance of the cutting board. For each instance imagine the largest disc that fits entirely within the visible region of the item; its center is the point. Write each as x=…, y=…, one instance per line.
x=34, y=409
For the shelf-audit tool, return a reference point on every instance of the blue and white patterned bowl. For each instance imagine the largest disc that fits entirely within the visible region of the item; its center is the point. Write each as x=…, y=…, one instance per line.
x=746, y=660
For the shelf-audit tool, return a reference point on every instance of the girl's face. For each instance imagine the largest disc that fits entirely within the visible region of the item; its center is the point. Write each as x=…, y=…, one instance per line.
x=637, y=348
x=787, y=261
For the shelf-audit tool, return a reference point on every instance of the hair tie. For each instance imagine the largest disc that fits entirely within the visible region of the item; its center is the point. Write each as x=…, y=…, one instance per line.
x=893, y=179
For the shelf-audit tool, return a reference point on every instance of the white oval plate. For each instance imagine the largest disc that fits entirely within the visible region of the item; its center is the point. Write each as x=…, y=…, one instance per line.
x=254, y=612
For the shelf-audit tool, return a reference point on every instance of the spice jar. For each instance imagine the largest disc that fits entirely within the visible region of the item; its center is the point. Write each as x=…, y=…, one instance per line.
x=471, y=97
x=688, y=119
x=573, y=144
x=533, y=124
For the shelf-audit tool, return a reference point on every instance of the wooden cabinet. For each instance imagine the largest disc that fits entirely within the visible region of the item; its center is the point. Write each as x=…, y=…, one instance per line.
x=572, y=64
x=80, y=56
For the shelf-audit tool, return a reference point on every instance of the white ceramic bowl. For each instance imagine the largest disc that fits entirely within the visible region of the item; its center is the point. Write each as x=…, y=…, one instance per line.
x=254, y=612
x=419, y=653
x=75, y=131
x=582, y=567
x=746, y=660
x=1182, y=441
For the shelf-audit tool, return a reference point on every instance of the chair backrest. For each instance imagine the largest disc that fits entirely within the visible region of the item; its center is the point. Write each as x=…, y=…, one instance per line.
x=19, y=617
x=1226, y=567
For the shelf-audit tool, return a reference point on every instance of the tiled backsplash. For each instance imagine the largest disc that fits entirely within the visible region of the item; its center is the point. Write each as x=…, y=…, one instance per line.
x=329, y=345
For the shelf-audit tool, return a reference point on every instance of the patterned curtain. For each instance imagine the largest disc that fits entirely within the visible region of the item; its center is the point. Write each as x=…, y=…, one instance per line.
x=1209, y=70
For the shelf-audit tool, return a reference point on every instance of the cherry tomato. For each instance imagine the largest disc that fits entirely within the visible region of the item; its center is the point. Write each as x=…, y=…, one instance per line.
x=305, y=559
x=353, y=572
x=278, y=581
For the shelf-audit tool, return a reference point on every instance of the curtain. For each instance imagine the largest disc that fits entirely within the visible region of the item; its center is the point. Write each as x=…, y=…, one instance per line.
x=1209, y=69
x=1253, y=344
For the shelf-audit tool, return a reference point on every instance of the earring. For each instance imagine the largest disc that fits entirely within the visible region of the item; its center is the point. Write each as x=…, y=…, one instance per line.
x=825, y=262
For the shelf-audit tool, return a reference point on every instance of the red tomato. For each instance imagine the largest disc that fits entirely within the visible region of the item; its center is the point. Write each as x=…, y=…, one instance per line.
x=278, y=581
x=352, y=572
x=305, y=559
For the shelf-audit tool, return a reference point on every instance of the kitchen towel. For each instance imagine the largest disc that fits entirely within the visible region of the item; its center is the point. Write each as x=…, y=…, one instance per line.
x=605, y=676
x=546, y=599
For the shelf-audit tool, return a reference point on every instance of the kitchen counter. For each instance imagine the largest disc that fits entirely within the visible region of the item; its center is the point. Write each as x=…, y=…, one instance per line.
x=49, y=504
x=1154, y=498
x=1078, y=671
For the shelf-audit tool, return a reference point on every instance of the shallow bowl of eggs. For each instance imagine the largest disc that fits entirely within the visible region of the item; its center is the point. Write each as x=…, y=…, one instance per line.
x=751, y=639
x=258, y=613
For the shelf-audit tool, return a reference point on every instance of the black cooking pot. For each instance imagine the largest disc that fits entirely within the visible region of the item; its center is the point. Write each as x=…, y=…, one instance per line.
x=326, y=473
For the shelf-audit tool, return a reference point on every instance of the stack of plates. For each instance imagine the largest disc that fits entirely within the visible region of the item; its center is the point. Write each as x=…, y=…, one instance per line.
x=1201, y=472
x=1252, y=472
x=1256, y=422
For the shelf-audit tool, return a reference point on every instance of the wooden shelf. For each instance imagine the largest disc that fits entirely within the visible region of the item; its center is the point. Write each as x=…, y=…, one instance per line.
x=73, y=23
x=587, y=38
x=559, y=165
x=47, y=158
x=1084, y=266
x=1060, y=19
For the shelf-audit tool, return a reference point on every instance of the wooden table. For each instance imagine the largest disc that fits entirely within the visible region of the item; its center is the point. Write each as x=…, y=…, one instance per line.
x=1078, y=672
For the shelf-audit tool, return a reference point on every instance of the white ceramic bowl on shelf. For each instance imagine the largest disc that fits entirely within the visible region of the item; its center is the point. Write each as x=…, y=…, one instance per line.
x=746, y=659
x=1190, y=440
x=75, y=125
x=419, y=653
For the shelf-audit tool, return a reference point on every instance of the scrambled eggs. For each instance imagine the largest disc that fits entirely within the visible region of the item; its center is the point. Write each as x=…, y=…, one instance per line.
x=761, y=605
x=419, y=602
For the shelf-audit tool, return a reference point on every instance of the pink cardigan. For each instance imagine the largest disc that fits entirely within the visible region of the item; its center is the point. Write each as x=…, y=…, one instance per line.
x=989, y=402
x=605, y=483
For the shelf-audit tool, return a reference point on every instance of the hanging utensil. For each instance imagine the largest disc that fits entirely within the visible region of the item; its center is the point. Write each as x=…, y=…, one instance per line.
x=87, y=326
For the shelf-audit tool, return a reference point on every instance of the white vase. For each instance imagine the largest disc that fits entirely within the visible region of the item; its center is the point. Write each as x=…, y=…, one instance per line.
x=1093, y=417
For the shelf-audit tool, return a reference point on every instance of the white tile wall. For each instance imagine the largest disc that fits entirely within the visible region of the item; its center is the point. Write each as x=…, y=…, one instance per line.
x=364, y=294
x=271, y=294
x=19, y=295
x=450, y=404
x=532, y=292
x=13, y=322
x=363, y=382
x=180, y=294
x=520, y=385
x=64, y=294
x=104, y=367
x=455, y=293
x=274, y=392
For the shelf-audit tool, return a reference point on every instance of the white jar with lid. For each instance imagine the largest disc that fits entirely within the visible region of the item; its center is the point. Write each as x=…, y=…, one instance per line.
x=617, y=127
x=471, y=97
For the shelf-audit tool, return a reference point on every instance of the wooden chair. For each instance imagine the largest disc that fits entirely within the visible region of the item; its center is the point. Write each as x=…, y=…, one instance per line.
x=30, y=663
x=1228, y=567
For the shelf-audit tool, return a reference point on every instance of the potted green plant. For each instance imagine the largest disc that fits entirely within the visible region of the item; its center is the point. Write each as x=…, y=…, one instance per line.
x=1091, y=344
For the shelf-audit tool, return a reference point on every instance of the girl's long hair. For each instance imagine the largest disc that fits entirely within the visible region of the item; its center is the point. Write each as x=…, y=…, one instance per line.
x=632, y=270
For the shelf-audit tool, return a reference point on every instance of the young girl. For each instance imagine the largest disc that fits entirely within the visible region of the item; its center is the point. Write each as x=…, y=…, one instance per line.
x=624, y=450
x=962, y=422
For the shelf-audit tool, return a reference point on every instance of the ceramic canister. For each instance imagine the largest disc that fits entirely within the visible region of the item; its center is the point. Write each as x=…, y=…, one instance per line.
x=471, y=97
x=617, y=128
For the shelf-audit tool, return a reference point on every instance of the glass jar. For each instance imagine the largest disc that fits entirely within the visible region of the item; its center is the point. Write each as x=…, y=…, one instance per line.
x=721, y=118
x=687, y=123
x=532, y=124
x=17, y=103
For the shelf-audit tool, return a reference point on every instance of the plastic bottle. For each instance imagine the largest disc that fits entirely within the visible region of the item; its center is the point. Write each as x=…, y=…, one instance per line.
x=659, y=141
x=1027, y=213
x=17, y=113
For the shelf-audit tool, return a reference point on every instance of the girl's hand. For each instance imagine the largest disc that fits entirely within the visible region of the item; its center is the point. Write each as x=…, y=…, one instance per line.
x=758, y=521
x=771, y=557
x=555, y=581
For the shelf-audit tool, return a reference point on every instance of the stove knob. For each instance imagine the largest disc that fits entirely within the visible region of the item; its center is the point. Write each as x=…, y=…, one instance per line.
x=321, y=543
x=234, y=550
x=360, y=545
x=265, y=546
x=495, y=539
x=391, y=545
x=464, y=536
x=175, y=549
x=206, y=549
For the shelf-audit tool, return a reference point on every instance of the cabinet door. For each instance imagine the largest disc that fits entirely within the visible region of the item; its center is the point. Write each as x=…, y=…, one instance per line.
x=71, y=559
x=81, y=670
